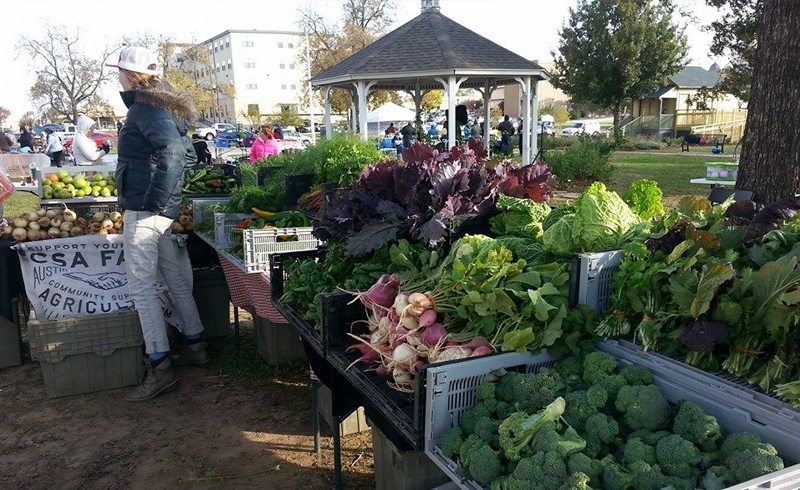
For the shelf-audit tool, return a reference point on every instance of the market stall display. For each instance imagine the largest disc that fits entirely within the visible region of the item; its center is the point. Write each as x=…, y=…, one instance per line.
x=77, y=185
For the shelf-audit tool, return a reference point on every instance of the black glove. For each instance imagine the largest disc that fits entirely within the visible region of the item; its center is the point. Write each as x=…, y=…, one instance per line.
x=106, y=147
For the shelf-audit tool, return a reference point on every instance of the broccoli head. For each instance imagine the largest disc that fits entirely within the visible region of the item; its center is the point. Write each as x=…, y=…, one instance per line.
x=546, y=471
x=644, y=407
x=451, y=442
x=518, y=430
x=530, y=392
x=695, y=426
x=636, y=375
x=485, y=391
x=504, y=409
x=570, y=370
x=582, y=404
x=581, y=463
x=716, y=478
x=678, y=457
x=483, y=465
x=649, y=477
x=637, y=450
x=615, y=477
x=736, y=442
x=754, y=461
x=612, y=384
x=511, y=483
x=469, y=445
x=601, y=435
x=649, y=438
x=549, y=439
x=486, y=428
x=598, y=365
x=471, y=416
x=576, y=481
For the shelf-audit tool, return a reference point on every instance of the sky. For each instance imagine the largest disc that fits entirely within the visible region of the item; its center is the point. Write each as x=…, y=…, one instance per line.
x=527, y=27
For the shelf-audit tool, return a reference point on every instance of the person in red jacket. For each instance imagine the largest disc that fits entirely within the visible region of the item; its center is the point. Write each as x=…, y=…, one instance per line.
x=264, y=146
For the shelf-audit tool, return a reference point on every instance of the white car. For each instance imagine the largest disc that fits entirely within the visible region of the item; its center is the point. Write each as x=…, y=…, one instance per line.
x=591, y=128
x=291, y=134
x=210, y=132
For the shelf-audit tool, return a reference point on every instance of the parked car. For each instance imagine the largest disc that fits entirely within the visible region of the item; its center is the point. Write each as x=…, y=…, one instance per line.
x=234, y=137
x=211, y=132
x=291, y=134
x=547, y=124
x=582, y=127
x=98, y=138
x=53, y=126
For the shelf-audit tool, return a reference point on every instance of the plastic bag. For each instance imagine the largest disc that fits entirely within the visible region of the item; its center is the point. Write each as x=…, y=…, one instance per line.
x=6, y=187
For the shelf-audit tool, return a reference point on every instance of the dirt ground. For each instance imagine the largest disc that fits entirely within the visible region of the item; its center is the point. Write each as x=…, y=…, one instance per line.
x=238, y=424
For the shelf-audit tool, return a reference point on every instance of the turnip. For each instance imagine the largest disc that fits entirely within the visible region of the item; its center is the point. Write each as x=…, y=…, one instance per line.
x=409, y=323
x=184, y=220
x=98, y=217
x=44, y=222
x=64, y=234
x=8, y=230
x=382, y=371
x=417, y=304
x=54, y=232
x=20, y=223
x=68, y=214
x=404, y=354
x=19, y=234
x=33, y=235
x=102, y=231
x=434, y=334
x=41, y=212
x=400, y=303
x=115, y=216
x=51, y=213
x=76, y=231
x=427, y=318
x=31, y=216
x=66, y=226
x=482, y=351
x=451, y=354
x=368, y=354
x=33, y=225
x=382, y=293
x=107, y=224
x=82, y=222
x=56, y=221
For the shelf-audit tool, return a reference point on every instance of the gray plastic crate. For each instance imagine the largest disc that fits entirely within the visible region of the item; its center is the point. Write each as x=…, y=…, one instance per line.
x=87, y=354
x=592, y=275
x=203, y=208
x=398, y=470
x=451, y=391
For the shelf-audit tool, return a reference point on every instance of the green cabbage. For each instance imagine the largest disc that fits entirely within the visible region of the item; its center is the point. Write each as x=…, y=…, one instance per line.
x=601, y=219
x=558, y=238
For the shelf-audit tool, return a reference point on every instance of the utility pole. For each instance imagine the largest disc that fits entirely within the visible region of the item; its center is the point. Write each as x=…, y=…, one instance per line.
x=310, y=92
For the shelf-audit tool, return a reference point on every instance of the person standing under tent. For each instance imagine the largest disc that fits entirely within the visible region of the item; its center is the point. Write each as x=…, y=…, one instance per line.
x=154, y=152
x=519, y=130
x=54, y=148
x=476, y=131
x=506, y=132
x=84, y=149
x=25, y=139
x=390, y=130
x=201, y=149
x=407, y=132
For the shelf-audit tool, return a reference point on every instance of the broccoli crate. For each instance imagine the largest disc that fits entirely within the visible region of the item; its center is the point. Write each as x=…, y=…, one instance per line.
x=450, y=392
x=86, y=354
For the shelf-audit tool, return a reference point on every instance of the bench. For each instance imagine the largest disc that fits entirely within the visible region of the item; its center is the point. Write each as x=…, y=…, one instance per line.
x=717, y=140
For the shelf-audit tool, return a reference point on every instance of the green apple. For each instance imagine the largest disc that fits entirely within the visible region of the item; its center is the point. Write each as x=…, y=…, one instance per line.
x=97, y=177
x=105, y=192
x=67, y=180
x=115, y=192
x=64, y=194
x=80, y=193
x=96, y=193
x=70, y=187
x=58, y=185
x=102, y=183
x=48, y=192
x=80, y=181
x=62, y=174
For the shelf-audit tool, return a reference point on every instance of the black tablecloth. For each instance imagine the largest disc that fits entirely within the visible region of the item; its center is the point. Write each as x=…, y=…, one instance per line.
x=11, y=284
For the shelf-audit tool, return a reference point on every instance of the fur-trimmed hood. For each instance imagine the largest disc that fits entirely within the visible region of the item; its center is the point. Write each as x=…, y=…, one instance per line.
x=163, y=97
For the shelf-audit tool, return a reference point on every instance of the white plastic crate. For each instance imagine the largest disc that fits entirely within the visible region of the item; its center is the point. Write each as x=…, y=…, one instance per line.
x=592, y=277
x=450, y=391
x=260, y=244
x=223, y=224
x=203, y=208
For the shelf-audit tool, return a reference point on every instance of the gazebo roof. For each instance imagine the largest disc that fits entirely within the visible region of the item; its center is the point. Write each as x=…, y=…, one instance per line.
x=428, y=46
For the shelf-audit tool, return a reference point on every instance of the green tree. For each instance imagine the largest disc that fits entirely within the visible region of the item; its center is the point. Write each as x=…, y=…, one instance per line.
x=770, y=160
x=288, y=117
x=735, y=33
x=612, y=50
x=557, y=109
x=432, y=100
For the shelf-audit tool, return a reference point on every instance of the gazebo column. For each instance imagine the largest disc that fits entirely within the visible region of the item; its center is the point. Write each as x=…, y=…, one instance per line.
x=326, y=95
x=534, y=117
x=487, y=99
x=525, y=151
x=451, y=87
x=362, y=90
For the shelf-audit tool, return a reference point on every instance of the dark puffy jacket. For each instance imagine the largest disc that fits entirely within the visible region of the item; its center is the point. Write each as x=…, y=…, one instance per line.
x=154, y=150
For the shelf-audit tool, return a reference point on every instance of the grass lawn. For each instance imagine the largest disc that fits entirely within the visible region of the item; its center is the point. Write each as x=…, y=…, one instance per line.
x=672, y=172
x=20, y=202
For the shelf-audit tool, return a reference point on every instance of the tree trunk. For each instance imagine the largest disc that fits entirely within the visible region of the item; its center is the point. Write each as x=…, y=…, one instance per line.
x=615, y=111
x=770, y=160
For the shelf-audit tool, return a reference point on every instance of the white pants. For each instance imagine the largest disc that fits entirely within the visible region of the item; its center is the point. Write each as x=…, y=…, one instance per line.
x=151, y=254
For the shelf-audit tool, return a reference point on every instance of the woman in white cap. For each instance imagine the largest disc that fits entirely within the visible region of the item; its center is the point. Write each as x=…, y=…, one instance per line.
x=84, y=149
x=153, y=153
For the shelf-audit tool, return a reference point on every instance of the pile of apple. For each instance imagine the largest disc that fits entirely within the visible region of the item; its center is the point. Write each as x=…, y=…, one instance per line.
x=62, y=185
x=45, y=224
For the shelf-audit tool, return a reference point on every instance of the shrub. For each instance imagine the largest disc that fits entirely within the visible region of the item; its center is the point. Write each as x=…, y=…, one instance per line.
x=587, y=159
x=648, y=145
x=553, y=143
x=673, y=142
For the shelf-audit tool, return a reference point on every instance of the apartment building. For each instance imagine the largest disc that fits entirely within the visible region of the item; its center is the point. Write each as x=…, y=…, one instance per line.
x=262, y=66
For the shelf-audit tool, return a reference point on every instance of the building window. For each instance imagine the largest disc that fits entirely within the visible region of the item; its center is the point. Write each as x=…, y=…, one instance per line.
x=280, y=45
x=283, y=86
x=294, y=87
x=249, y=64
x=228, y=43
x=291, y=45
x=251, y=86
x=247, y=44
x=283, y=66
x=230, y=65
x=291, y=66
x=216, y=49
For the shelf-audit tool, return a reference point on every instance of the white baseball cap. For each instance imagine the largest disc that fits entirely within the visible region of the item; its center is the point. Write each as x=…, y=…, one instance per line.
x=138, y=59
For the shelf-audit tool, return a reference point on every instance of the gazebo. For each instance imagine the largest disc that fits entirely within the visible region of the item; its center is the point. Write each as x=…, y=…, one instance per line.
x=431, y=51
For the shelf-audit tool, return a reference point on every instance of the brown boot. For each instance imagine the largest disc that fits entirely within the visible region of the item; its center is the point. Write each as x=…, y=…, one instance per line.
x=192, y=355
x=159, y=379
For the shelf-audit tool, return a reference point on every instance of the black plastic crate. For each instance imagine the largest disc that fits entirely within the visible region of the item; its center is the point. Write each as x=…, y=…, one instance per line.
x=265, y=173
x=471, y=224
x=340, y=316
x=296, y=186
x=87, y=208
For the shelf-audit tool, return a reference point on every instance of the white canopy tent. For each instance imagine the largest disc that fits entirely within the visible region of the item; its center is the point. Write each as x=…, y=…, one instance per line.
x=391, y=112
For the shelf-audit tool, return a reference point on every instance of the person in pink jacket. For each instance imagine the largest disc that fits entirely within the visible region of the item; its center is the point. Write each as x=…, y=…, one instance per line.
x=264, y=146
